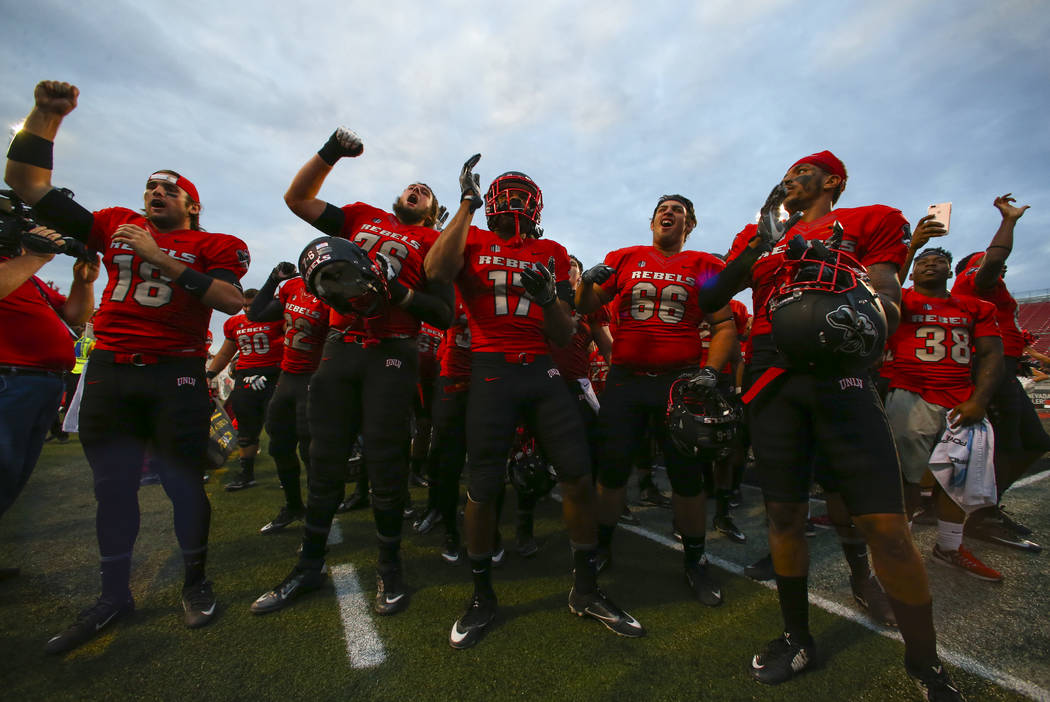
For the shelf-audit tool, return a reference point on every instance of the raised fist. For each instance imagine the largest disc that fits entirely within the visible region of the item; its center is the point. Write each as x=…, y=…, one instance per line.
x=343, y=142
x=283, y=271
x=770, y=228
x=470, y=183
x=55, y=97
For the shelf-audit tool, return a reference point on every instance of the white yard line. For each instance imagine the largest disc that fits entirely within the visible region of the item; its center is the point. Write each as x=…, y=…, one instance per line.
x=335, y=534
x=1031, y=479
x=364, y=648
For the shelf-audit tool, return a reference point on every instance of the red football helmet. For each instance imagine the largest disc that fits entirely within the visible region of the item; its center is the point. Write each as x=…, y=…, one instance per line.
x=515, y=193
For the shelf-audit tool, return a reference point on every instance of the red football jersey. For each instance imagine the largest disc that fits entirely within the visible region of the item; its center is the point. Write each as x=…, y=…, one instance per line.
x=932, y=347
x=872, y=234
x=573, y=361
x=34, y=335
x=597, y=371
x=740, y=317
x=375, y=230
x=501, y=317
x=655, y=306
x=141, y=311
x=1004, y=302
x=259, y=344
x=454, y=351
x=305, y=327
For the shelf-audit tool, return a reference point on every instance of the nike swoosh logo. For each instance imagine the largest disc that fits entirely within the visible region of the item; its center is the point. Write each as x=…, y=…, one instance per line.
x=605, y=619
x=392, y=600
x=489, y=380
x=455, y=635
x=210, y=611
x=755, y=665
x=107, y=620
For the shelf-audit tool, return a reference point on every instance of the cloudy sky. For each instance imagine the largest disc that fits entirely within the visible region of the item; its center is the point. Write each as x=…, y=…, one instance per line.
x=607, y=105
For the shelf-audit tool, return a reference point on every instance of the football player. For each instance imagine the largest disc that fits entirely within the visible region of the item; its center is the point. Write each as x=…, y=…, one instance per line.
x=259, y=349
x=514, y=287
x=655, y=288
x=931, y=387
x=365, y=383
x=804, y=393
x=1020, y=439
x=145, y=383
x=305, y=323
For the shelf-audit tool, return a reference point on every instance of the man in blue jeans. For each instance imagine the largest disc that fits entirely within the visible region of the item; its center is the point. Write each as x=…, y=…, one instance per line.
x=36, y=349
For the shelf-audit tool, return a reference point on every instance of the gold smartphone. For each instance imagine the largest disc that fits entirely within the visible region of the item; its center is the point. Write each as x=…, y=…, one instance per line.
x=942, y=213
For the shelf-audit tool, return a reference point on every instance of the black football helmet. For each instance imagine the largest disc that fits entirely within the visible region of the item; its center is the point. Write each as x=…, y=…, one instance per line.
x=826, y=315
x=528, y=471
x=517, y=194
x=701, y=421
x=340, y=273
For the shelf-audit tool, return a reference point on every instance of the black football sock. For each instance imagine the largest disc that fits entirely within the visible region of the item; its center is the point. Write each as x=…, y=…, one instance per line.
x=524, y=528
x=916, y=626
x=288, y=473
x=248, y=467
x=584, y=570
x=605, y=536
x=722, y=502
x=793, y=594
x=856, y=552
x=692, y=549
x=481, y=570
x=115, y=572
x=194, y=562
x=388, y=530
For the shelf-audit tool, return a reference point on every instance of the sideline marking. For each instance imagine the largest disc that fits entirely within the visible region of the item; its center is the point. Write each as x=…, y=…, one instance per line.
x=363, y=645
x=335, y=534
x=1030, y=479
x=959, y=660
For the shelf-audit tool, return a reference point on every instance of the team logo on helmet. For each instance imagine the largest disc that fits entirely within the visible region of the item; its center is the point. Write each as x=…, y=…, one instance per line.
x=860, y=335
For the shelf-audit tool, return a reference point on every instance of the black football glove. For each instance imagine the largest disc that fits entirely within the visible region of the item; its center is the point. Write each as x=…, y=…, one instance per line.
x=597, y=275
x=343, y=142
x=283, y=271
x=770, y=228
x=470, y=183
x=539, y=283
x=442, y=217
x=38, y=243
x=707, y=378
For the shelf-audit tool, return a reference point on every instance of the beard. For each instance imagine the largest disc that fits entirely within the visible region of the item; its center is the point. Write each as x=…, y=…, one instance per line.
x=407, y=214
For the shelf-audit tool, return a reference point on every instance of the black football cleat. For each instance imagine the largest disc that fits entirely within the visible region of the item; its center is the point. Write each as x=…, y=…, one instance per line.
x=391, y=594
x=724, y=524
x=452, y=553
x=299, y=582
x=782, y=659
x=241, y=481
x=934, y=683
x=872, y=598
x=704, y=588
x=995, y=532
x=425, y=524
x=358, y=499
x=89, y=622
x=627, y=517
x=762, y=569
x=283, y=519
x=198, y=601
x=650, y=494
x=469, y=628
x=598, y=606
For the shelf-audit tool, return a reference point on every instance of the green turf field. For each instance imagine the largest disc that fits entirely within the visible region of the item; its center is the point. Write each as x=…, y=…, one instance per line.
x=537, y=651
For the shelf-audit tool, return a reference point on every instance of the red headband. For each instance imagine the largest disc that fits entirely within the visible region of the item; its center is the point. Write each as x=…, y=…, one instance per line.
x=826, y=160
x=179, y=181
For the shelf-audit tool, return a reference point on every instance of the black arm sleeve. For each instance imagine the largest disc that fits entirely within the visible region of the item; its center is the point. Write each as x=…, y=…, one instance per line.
x=226, y=276
x=331, y=220
x=62, y=213
x=565, y=292
x=434, y=304
x=718, y=291
x=265, y=307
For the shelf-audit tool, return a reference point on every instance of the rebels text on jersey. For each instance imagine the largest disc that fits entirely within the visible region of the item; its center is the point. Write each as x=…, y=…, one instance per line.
x=502, y=318
x=377, y=231
x=1004, y=302
x=259, y=344
x=142, y=311
x=655, y=306
x=305, y=327
x=931, y=351
x=872, y=234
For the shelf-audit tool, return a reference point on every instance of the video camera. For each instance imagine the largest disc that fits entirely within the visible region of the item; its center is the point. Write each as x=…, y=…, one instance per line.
x=16, y=227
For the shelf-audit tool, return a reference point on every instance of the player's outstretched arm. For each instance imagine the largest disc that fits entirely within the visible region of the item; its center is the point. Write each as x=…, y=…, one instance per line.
x=301, y=196
x=589, y=294
x=445, y=258
x=1001, y=245
x=926, y=229
x=29, y=159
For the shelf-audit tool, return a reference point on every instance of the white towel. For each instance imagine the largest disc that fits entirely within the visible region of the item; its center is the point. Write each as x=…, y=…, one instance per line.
x=72, y=421
x=963, y=464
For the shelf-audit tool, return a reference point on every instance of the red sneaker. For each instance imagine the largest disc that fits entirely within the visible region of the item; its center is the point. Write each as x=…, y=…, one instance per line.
x=965, y=561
